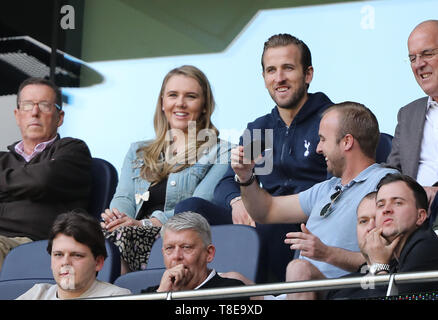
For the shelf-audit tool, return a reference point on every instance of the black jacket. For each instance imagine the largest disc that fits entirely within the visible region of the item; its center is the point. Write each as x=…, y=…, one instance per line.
x=32, y=194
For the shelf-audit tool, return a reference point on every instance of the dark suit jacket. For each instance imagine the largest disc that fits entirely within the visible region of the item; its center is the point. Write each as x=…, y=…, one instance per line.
x=406, y=145
x=215, y=282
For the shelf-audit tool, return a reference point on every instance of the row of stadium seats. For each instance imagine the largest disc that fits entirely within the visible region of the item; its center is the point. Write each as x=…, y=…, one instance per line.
x=237, y=249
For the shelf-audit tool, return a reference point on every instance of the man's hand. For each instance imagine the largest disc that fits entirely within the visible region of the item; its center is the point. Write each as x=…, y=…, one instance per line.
x=113, y=219
x=242, y=166
x=377, y=248
x=310, y=245
x=240, y=215
x=174, y=279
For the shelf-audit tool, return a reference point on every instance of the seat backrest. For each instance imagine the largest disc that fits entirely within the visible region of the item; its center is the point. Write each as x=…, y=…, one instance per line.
x=27, y=261
x=31, y=261
x=111, y=268
x=237, y=249
x=12, y=289
x=139, y=280
x=384, y=147
x=104, y=182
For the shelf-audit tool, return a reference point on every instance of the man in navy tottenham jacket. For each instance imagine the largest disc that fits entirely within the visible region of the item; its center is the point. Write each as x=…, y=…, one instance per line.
x=289, y=133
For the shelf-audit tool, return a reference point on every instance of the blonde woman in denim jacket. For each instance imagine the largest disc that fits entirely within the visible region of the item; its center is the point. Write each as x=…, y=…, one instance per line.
x=185, y=159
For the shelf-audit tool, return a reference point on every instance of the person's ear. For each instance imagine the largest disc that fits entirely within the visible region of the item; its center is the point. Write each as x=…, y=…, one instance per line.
x=211, y=250
x=60, y=118
x=308, y=75
x=16, y=111
x=99, y=263
x=348, y=141
x=421, y=217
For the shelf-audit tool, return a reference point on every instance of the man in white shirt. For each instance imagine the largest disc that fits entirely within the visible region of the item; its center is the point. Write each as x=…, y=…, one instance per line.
x=77, y=249
x=415, y=144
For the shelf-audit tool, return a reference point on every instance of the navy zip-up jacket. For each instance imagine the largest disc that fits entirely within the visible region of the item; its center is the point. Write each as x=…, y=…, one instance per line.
x=296, y=165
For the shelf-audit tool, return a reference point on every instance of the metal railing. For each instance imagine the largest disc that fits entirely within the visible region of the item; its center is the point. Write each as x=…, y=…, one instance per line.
x=366, y=282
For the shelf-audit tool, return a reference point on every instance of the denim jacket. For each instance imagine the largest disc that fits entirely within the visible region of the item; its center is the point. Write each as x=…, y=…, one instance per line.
x=198, y=180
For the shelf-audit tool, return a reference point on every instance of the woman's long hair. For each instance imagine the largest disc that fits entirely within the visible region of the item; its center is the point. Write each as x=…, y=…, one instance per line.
x=158, y=159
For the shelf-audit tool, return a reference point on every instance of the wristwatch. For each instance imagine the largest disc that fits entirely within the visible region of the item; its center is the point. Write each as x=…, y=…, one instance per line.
x=147, y=223
x=377, y=267
x=247, y=183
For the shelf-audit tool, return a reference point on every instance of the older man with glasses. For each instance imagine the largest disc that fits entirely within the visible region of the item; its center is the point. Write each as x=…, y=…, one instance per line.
x=328, y=246
x=42, y=175
x=414, y=147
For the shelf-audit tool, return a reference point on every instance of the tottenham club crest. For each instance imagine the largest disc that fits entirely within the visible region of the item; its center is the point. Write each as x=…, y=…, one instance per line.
x=306, y=145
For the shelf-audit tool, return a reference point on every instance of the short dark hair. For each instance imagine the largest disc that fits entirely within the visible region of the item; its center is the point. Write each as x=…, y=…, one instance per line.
x=41, y=81
x=360, y=122
x=83, y=228
x=285, y=39
x=369, y=196
x=421, y=201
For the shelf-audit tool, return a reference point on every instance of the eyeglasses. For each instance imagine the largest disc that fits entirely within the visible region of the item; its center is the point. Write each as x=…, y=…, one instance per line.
x=326, y=210
x=43, y=106
x=426, y=55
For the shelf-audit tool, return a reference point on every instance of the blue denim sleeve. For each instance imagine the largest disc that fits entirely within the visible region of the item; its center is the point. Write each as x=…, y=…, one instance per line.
x=206, y=187
x=124, y=197
x=162, y=216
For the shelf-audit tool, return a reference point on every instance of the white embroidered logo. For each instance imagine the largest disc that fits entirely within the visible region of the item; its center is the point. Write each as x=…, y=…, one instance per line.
x=306, y=145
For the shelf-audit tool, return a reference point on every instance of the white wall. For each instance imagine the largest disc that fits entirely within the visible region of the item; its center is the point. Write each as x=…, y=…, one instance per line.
x=9, y=132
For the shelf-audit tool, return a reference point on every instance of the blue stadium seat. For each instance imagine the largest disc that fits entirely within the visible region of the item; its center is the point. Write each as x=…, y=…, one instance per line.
x=12, y=289
x=111, y=268
x=31, y=261
x=139, y=280
x=384, y=147
x=237, y=249
x=27, y=261
x=104, y=182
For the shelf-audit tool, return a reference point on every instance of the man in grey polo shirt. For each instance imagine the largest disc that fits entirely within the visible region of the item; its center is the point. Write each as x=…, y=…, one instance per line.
x=349, y=134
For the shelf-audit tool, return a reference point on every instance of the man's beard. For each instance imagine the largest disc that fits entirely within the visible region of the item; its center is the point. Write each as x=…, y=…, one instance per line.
x=295, y=99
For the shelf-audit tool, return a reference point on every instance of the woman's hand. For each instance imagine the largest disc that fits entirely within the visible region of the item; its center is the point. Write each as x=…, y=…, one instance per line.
x=114, y=219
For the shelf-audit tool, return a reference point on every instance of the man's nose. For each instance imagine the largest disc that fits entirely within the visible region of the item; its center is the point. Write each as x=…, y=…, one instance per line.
x=387, y=208
x=66, y=260
x=35, y=109
x=371, y=225
x=178, y=253
x=419, y=62
x=318, y=148
x=280, y=76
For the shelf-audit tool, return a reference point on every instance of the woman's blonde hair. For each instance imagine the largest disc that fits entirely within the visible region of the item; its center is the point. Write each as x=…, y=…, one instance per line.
x=158, y=163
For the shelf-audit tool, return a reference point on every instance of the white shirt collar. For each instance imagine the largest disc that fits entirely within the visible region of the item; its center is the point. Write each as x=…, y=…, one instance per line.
x=431, y=103
x=211, y=275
